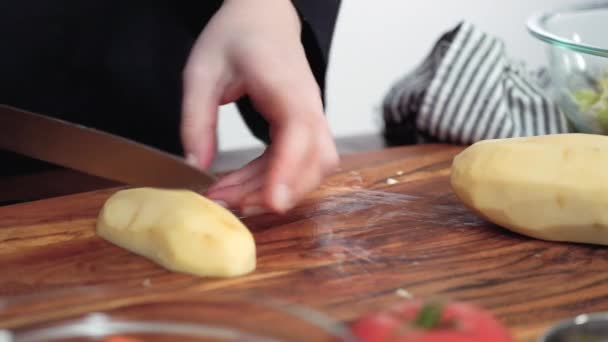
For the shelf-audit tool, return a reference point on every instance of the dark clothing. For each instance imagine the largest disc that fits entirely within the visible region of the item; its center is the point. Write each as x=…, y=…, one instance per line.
x=116, y=65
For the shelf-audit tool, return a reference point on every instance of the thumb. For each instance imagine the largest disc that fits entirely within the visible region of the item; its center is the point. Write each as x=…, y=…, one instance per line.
x=199, y=121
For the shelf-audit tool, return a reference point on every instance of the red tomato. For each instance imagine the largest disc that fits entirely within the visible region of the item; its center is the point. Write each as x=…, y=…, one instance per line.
x=414, y=320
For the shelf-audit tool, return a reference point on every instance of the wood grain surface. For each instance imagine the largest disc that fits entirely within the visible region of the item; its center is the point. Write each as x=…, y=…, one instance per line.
x=344, y=250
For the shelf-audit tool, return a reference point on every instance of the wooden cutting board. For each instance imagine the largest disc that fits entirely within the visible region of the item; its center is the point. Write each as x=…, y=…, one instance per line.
x=345, y=250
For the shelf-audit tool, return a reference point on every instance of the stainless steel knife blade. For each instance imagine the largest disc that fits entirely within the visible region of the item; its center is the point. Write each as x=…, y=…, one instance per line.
x=96, y=153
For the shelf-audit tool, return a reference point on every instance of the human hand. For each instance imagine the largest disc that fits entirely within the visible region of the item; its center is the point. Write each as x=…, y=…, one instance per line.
x=252, y=47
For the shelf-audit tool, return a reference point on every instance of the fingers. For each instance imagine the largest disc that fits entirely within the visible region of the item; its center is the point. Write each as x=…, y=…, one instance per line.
x=290, y=177
x=302, y=150
x=292, y=161
x=233, y=195
x=200, y=104
x=299, y=158
x=329, y=158
x=232, y=188
x=249, y=171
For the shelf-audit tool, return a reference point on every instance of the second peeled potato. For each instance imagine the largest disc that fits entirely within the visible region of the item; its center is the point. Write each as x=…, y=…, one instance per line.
x=552, y=187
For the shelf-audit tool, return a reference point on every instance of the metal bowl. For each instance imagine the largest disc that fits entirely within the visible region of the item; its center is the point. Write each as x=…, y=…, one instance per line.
x=583, y=328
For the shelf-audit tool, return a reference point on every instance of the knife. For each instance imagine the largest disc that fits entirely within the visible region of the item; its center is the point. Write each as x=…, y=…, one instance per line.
x=95, y=153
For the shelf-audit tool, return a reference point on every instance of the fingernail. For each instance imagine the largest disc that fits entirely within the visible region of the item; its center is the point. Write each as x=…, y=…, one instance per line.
x=253, y=211
x=281, y=197
x=221, y=203
x=192, y=160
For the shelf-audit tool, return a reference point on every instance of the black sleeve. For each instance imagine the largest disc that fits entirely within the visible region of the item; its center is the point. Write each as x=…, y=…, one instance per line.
x=320, y=17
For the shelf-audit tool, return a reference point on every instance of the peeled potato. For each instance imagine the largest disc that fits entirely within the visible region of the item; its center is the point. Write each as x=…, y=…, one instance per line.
x=180, y=230
x=551, y=187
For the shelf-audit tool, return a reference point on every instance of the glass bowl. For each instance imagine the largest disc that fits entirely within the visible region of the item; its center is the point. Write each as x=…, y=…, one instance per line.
x=578, y=61
x=193, y=319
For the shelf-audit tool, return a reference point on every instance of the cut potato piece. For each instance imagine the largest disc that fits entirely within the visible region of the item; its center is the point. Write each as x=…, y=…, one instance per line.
x=180, y=230
x=552, y=187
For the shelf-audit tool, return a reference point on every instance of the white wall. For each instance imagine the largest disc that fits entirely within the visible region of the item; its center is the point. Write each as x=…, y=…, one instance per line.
x=377, y=42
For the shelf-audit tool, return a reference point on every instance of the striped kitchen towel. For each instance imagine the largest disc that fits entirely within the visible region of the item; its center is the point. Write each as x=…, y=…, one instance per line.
x=468, y=90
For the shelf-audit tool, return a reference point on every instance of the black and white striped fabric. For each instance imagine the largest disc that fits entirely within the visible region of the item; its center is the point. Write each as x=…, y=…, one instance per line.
x=468, y=90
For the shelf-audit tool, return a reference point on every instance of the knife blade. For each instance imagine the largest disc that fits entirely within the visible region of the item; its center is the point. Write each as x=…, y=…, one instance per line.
x=95, y=152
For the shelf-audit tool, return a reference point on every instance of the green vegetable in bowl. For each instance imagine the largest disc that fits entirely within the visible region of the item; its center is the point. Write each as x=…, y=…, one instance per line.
x=595, y=102
x=586, y=98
